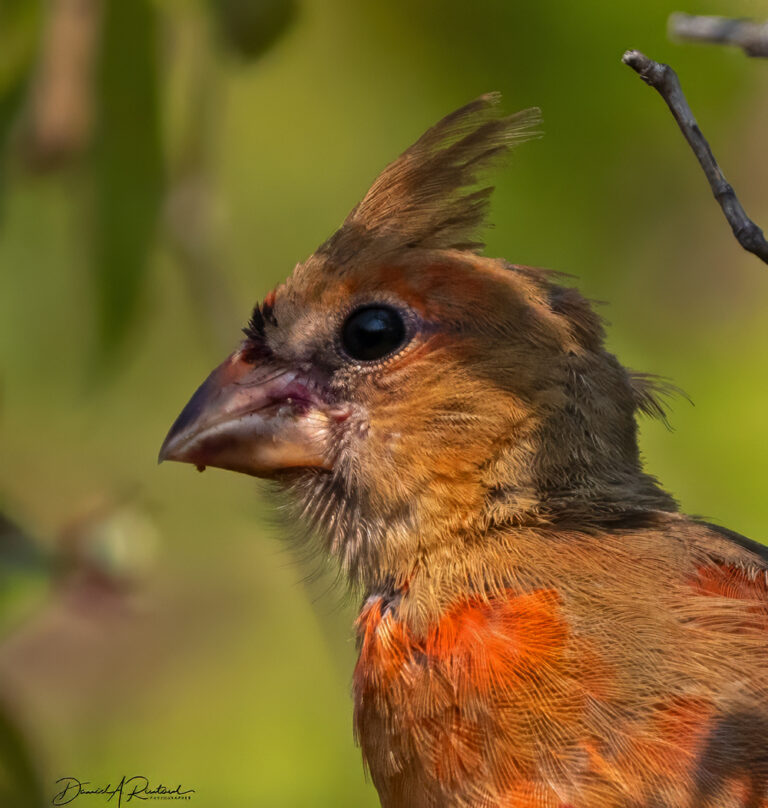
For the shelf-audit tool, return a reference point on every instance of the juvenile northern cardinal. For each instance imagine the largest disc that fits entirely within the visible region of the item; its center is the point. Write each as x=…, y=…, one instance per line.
x=541, y=626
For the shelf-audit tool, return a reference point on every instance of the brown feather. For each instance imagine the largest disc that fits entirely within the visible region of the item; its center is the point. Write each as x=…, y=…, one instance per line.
x=424, y=198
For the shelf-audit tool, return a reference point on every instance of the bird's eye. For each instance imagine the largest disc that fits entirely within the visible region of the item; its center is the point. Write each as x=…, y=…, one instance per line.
x=372, y=332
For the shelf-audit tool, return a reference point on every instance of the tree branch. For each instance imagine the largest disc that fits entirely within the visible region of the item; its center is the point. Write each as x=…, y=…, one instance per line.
x=664, y=80
x=751, y=37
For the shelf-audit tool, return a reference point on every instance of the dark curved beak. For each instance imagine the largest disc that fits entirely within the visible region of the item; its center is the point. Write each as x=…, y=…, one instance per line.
x=255, y=418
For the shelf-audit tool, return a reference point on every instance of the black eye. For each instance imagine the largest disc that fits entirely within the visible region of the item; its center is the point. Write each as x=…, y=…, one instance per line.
x=372, y=332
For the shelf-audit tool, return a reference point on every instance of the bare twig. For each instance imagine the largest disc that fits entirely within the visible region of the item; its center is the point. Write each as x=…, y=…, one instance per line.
x=751, y=37
x=664, y=80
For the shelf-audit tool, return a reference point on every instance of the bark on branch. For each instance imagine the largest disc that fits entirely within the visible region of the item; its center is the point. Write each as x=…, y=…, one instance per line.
x=664, y=80
x=751, y=37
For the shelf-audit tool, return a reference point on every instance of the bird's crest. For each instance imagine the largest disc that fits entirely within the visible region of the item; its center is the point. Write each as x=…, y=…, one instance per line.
x=428, y=197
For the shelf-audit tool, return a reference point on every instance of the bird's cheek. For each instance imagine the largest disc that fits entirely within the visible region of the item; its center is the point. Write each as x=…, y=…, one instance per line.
x=254, y=419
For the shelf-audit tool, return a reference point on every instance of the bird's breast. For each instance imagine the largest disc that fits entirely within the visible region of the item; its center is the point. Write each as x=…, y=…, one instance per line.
x=453, y=710
x=515, y=701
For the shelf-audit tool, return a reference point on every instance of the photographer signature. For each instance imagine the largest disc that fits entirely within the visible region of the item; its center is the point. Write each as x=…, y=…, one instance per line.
x=129, y=787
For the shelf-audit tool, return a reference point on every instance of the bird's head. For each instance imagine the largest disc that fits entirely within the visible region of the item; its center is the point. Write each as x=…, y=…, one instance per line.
x=403, y=388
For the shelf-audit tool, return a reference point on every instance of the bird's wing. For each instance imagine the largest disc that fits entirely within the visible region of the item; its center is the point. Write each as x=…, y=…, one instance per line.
x=755, y=550
x=733, y=567
x=732, y=576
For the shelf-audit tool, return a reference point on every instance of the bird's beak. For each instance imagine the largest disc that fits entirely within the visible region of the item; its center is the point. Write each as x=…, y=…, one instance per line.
x=257, y=419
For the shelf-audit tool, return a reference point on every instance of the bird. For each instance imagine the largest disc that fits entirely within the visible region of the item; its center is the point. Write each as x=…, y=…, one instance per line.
x=540, y=625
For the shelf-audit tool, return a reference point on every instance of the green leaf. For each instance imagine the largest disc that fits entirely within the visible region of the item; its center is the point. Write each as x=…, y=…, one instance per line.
x=128, y=167
x=19, y=32
x=25, y=576
x=251, y=27
x=19, y=36
x=20, y=784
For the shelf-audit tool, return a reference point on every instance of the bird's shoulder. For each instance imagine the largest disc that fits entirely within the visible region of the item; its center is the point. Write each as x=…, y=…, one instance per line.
x=660, y=549
x=730, y=545
x=727, y=564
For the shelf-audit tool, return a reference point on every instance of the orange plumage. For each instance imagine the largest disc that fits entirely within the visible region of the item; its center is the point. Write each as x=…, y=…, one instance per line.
x=541, y=627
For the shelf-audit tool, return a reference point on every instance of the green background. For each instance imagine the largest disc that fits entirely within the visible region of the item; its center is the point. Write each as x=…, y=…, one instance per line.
x=179, y=638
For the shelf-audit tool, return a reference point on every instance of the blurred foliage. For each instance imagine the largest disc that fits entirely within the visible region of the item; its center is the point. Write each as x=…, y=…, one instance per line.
x=19, y=34
x=204, y=659
x=19, y=22
x=25, y=575
x=127, y=159
x=25, y=580
x=20, y=785
x=250, y=27
x=127, y=164
x=103, y=552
